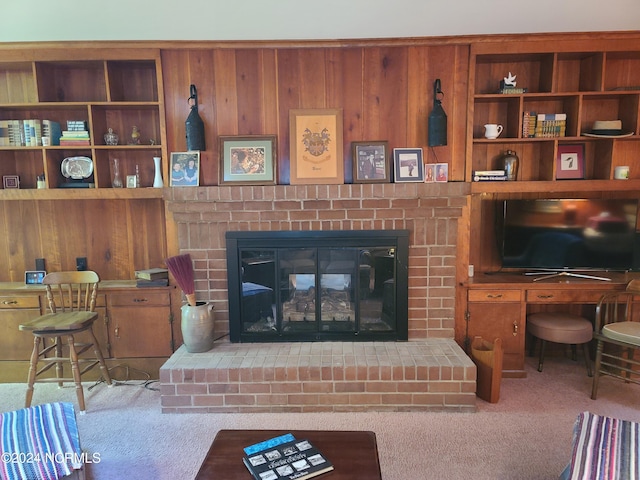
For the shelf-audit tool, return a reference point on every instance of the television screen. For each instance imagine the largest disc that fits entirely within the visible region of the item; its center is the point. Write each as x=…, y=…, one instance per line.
x=559, y=234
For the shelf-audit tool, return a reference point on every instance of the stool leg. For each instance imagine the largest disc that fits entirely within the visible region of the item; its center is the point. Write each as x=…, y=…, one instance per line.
x=33, y=368
x=75, y=369
x=100, y=357
x=574, y=353
x=543, y=344
x=587, y=360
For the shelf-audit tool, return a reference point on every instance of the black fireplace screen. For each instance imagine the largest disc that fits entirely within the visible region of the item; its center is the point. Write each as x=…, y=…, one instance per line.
x=309, y=285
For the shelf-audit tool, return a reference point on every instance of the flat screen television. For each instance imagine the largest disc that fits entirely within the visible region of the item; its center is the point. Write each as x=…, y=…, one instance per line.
x=570, y=234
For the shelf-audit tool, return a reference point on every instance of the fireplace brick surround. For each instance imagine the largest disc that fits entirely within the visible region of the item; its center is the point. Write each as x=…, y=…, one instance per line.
x=429, y=211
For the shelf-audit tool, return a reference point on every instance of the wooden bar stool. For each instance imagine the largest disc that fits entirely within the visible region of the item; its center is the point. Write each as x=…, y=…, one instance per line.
x=72, y=298
x=559, y=327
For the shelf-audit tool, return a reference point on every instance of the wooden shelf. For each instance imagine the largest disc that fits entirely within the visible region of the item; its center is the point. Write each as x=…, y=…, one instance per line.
x=81, y=193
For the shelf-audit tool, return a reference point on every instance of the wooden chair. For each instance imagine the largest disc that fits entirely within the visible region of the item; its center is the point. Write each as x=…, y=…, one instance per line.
x=617, y=331
x=72, y=298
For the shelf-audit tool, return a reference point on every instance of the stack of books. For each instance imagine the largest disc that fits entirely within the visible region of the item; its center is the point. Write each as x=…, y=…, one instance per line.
x=551, y=125
x=76, y=134
x=152, y=277
x=285, y=458
x=489, y=176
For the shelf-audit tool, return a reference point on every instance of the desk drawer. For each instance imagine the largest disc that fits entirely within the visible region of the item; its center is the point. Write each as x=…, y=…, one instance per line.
x=497, y=295
x=564, y=296
x=139, y=298
x=19, y=301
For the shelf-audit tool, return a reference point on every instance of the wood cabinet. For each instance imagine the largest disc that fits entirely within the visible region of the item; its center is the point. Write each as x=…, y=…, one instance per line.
x=16, y=308
x=135, y=326
x=497, y=313
x=103, y=88
x=140, y=324
x=497, y=307
x=585, y=80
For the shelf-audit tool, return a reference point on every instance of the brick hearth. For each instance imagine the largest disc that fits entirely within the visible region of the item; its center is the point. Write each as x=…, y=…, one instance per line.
x=429, y=375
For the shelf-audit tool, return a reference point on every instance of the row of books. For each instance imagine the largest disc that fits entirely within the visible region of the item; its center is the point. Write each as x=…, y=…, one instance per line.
x=543, y=125
x=29, y=132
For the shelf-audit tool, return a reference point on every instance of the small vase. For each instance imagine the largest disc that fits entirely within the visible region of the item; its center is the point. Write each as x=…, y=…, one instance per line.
x=117, y=180
x=197, y=327
x=157, y=179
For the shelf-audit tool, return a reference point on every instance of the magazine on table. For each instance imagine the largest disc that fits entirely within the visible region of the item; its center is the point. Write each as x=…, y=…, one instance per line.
x=285, y=458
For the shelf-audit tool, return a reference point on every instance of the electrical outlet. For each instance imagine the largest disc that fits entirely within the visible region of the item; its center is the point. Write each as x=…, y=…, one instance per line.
x=81, y=264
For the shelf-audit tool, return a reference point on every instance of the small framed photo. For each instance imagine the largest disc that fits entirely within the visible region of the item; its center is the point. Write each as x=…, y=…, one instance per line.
x=185, y=169
x=248, y=160
x=316, y=146
x=370, y=162
x=442, y=172
x=430, y=172
x=132, y=181
x=408, y=165
x=11, y=181
x=570, y=162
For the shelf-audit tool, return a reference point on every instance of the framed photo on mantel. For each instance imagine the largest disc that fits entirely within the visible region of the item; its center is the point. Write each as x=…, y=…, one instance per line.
x=316, y=146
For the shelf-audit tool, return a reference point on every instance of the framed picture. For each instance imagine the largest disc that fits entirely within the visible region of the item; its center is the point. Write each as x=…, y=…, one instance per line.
x=11, y=181
x=248, y=160
x=316, y=146
x=185, y=169
x=132, y=181
x=370, y=162
x=408, y=165
x=570, y=161
x=430, y=172
x=442, y=172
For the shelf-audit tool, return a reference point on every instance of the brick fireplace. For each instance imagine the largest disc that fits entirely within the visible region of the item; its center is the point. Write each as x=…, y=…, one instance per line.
x=428, y=372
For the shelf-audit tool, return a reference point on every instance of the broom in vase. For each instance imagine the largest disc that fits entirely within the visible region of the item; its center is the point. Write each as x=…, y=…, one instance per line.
x=181, y=267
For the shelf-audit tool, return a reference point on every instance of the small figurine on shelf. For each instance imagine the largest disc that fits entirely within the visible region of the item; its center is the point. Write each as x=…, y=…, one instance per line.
x=135, y=136
x=111, y=137
x=508, y=85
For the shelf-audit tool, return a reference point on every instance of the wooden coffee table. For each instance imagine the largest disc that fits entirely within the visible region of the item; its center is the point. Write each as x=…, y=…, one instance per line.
x=354, y=454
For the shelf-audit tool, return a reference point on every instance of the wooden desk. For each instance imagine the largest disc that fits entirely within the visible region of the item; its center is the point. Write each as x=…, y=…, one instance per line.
x=497, y=306
x=354, y=454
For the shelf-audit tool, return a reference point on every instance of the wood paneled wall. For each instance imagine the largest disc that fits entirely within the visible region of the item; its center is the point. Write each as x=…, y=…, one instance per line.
x=385, y=92
x=117, y=237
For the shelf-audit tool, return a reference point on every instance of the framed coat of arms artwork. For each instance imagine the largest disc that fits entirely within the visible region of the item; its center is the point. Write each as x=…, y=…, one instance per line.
x=316, y=146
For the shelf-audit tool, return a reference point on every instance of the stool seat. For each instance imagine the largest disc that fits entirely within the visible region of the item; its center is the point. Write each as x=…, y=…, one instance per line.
x=559, y=327
x=59, y=322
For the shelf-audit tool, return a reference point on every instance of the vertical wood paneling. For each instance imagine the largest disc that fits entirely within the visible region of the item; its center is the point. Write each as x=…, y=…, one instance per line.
x=385, y=95
x=117, y=237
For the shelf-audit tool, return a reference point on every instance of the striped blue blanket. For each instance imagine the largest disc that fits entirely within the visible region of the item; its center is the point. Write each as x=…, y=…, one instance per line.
x=605, y=448
x=39, y=443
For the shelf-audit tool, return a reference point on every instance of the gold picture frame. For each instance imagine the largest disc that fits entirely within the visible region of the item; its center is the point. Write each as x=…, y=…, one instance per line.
x=370, y=162
x=248, y=160
x=316, y=149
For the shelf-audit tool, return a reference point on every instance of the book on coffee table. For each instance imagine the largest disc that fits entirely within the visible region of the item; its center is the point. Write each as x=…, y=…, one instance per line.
x=292, y=460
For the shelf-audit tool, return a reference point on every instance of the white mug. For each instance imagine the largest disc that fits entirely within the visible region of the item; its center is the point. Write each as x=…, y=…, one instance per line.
x=621, y=173
x=492, y=130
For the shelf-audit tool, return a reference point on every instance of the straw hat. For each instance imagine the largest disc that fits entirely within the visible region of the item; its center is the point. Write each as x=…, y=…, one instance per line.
x=608, y=128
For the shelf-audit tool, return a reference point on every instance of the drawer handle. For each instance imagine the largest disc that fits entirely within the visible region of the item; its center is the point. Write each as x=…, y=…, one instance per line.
x=117, y=332
x=10, y=302
x=494, y=295
x=515, y=328
x=545, y=297
x=140, y=300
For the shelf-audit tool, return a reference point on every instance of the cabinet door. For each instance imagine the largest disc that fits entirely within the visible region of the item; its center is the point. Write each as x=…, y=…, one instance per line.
x=502, y=320
x=15, y=309
x=140, y=324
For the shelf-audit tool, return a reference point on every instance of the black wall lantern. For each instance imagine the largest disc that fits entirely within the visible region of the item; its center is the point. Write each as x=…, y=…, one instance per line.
x=437, y=119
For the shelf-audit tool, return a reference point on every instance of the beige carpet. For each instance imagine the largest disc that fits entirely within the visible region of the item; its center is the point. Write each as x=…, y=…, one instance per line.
x=525, y=436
